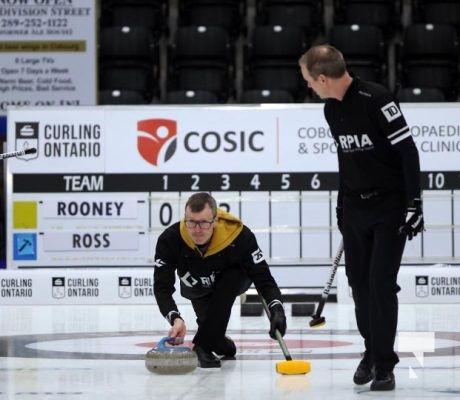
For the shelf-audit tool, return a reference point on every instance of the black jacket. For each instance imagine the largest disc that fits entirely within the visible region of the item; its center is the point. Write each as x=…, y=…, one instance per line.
x=233, y=245
x=375, y=147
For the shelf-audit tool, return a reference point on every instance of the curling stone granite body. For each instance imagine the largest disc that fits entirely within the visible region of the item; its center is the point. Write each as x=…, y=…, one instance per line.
x=163, y=359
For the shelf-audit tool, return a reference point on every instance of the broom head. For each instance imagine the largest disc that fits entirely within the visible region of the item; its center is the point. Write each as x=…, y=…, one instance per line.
x=317, y=322
x=293, y=367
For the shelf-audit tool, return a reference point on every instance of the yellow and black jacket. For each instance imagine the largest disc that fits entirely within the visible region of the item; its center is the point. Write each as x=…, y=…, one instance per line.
x=233, y=245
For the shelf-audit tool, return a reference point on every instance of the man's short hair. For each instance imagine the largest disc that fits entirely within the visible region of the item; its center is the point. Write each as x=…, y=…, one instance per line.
x=197, y=202
x=324, y=60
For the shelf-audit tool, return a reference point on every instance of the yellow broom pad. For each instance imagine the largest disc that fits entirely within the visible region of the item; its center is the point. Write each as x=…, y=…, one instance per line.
x=293, y=367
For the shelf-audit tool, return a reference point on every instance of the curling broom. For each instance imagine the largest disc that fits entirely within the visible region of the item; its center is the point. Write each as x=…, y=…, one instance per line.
x=317, y=319
x=290, y=366
x=18, y=153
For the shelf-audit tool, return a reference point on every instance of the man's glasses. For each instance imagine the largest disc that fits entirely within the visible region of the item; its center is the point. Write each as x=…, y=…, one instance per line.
x=190, y=223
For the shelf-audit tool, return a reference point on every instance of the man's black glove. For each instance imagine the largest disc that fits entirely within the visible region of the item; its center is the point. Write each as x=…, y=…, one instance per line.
x=338, y=213
x=277, y=318
x=414, y=220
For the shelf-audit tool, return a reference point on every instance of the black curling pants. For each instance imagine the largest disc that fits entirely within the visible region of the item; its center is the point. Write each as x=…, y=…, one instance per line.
x=213, y=311
x=373, y=252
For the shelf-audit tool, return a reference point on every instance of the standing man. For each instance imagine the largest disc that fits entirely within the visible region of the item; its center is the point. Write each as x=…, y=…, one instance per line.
x=216, y=258
x=379, y=202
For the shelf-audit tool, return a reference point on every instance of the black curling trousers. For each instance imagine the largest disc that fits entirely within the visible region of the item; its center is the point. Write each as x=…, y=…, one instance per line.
x=213, y=310
x=373, y=252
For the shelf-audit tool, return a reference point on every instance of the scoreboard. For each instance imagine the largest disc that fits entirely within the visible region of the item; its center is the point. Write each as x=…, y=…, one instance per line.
x=106, y=181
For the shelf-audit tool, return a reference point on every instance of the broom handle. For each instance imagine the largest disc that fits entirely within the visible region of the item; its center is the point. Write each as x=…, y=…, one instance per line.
x=279, y=338
x=283, y=346
x=330, y=280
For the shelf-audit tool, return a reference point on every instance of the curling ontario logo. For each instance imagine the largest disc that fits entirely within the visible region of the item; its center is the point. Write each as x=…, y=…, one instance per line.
x=125, y=289
x=26, y=138
x=160, y=143
x=421, y=286
x=58, y=287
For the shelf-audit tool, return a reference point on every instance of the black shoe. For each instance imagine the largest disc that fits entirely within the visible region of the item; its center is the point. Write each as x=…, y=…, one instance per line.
x=205, y=358
x=365, y=371
x=226, y=348
x=384, y=380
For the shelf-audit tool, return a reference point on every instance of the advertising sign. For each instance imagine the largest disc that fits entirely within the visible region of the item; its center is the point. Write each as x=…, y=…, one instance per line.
x=48, y=53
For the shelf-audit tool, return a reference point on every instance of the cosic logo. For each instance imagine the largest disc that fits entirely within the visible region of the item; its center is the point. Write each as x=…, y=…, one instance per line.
x=211, y=142
x=160, y=143
x=161, y=135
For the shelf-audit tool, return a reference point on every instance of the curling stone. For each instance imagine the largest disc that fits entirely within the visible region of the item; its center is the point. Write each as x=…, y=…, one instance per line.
x=168, y=359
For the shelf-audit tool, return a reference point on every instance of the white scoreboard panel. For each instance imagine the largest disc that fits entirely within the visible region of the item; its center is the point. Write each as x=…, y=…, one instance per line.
x=106, y=181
